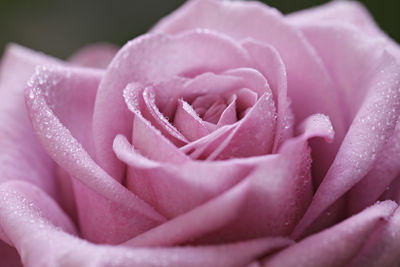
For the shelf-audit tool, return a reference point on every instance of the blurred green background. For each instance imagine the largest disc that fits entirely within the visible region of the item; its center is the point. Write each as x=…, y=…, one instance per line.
x=59, y=27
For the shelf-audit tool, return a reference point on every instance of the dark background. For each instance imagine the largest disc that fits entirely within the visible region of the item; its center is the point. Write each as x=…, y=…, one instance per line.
x=59, y=27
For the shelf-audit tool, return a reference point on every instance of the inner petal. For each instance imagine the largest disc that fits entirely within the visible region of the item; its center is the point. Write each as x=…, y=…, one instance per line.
x=229, y=115
x=188, y=122
x=214, y=112
x=152, y=113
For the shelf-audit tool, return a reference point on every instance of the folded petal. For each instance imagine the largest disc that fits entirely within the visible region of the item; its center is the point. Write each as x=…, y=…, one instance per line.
x=253, y=135
x=98, y=193
x=338, y=245
x=188, y=122
x=350, y=59
x=39, y=230
x=365, y=140
x=145, y=136
x=380, y=177
x=155, y=58
x=21, y=155
x=174, y=189
x=280, y=188
x=94, y=56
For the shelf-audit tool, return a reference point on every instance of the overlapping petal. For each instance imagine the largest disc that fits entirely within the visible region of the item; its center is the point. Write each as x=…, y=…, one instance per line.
x=40, y=231
x=21, y=156
x=155, y=58
x=279, y=185
x=97, y=192
x=371, y=129
x=336, y=246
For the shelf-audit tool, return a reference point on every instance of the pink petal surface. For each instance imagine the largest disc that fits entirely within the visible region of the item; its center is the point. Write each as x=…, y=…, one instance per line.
x=188, y=122
x=21, y=156
x=151, y=112
x=253, y=135
x=97, y=192
x=228, y=116
x=335, y=246
x=94, y=56
x=40, y=231
x=382, y=248
x=280, y=188
x=177, y=188
x=380, y=177
x=351, y=57
x=145, y=136
x=370, y=130
x=337, y=12
x=205, y=146
x=154, y=58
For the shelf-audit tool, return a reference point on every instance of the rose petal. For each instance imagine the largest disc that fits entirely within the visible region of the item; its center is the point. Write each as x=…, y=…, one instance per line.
x=99, y=193
x=211, y=84
x=71, y=93
x=190, y=225
x=33, y=222
x=335, y=246
x=158, y=120
x=246, y=98
x=188, y=122
x=21, y=156
x=382, y=246
x=174, y=189
x=270, y=188
x=154, y=58
x=370, y=130
x=94, y=55
x=253, y=135
x=380, y=178
x=145, y=136
x=228, y=116
x=203, y=147
x=349, y=60
x=280, y=188
x=338, y=12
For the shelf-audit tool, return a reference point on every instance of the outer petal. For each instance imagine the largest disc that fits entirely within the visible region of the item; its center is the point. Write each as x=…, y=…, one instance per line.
x=39, y=230
x=94, y=56
x=382, y=248
x=338, y=245
x=21, y=156
x=338, y=12
x=98, y=193
x=380, y=178
x=177, y=188
x=370, y=130
x=154, y=58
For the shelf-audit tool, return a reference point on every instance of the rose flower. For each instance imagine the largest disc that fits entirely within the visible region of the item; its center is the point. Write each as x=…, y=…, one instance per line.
x=229, y=135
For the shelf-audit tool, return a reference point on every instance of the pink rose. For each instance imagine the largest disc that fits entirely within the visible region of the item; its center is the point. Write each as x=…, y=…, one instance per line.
x=227, y=136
